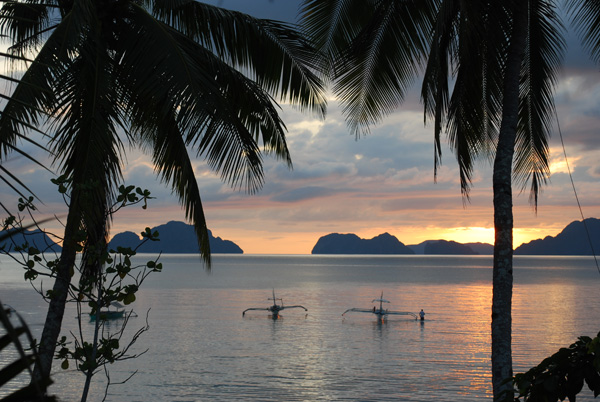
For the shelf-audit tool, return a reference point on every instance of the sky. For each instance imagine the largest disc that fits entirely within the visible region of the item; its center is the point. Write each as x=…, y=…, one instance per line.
x=382, y=182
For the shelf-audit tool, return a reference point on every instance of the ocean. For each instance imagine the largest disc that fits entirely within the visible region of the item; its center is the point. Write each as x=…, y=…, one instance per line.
x=201, y=348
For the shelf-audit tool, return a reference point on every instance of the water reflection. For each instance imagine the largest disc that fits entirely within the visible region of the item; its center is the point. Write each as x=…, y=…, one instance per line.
x=202, y=349
x=553, y=309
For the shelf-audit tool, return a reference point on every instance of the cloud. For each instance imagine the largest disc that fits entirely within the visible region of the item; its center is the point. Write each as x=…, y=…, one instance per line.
x=303, y=193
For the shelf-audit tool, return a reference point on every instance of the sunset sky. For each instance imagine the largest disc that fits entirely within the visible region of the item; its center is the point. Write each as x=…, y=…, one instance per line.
x=379, y=183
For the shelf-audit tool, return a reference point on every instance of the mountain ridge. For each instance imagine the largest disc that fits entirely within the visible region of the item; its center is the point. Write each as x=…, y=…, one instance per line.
x=179, y=237
x=174, y=237
x=349, y=243
x=572, y=240
x=34, y=238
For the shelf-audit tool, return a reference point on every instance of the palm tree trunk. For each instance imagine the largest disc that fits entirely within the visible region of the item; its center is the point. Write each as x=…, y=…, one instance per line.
x=60, y=291
x=503, y=215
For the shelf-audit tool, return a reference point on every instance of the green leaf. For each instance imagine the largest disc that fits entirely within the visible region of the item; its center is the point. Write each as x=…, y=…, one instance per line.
x=31, y=274
x=113, y=343
x=129, y=298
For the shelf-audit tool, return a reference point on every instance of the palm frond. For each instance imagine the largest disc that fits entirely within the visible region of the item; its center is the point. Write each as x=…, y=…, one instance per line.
x=33, y=98
x=271, y=53
x=585, y=15
x=174, y=166
x=459, y=53
x=331, y=25
x=7, y=173
x=221, y=112
x=28, y=24
x=377, y=67
x=539, y=76
x=34, y=391
x=435, y=90
x=15, y=129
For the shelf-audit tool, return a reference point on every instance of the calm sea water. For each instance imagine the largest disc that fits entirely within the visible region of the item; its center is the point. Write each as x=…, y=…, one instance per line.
x=202, y=349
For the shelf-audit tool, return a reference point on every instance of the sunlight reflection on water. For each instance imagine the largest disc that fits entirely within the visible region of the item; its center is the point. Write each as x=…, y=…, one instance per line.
x=201, y=348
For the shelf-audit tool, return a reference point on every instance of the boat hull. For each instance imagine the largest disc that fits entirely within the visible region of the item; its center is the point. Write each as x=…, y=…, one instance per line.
x=108, y=315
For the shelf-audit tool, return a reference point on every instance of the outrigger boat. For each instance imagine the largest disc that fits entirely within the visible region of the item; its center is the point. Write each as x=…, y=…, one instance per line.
x=108, y=314
x=275, y=308
x=380, y=312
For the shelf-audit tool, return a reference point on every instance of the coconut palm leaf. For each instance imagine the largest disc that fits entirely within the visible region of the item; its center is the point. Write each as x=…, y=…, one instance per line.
x=35, y=390
x=211, y=101
x=373, y=67
x=174, y=165
x=332, y=25
x=468, y=111
x=272, y=53
x=585, y=15
x=539, y=77
x=12, y=144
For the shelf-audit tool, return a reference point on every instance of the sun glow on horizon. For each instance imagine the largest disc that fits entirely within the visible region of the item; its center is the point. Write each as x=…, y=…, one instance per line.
x=486, y=235
x=469, y=234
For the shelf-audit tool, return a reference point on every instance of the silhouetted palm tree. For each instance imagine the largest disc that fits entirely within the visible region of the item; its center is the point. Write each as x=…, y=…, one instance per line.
x=501, y=58
x=168, y=76
x=505, y=55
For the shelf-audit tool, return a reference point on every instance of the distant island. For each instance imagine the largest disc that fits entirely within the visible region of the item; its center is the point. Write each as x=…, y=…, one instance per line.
x=349, y=243
x=573, y=240
x=33, y=238
x=175, y=237
x=336, y=243
x=179, y=237
x=449, y=247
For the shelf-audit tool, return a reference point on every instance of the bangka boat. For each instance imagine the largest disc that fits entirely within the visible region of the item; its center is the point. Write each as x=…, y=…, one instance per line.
x=108, y=314
x=275, y=308
x=380, y=312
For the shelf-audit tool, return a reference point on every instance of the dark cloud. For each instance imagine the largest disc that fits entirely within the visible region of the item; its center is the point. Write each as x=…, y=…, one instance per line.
x=595, y=172
x=303, y=193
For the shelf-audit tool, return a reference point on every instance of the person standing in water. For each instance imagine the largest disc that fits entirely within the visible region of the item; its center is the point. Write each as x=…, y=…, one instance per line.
x=422, y=315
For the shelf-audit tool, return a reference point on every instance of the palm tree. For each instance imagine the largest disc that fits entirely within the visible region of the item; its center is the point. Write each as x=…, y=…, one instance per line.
x=502, y=58
x=168, y=76
x=506, y=56
x=7, y=147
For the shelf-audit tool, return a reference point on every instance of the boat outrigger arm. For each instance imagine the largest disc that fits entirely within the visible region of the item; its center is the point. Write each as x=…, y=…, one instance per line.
x=380, y=312
x=275, y=308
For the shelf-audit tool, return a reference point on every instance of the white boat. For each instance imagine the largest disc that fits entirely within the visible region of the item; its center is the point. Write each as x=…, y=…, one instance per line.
x=117, y=311
x=380, y=312
x=275, y=308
